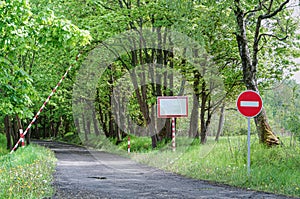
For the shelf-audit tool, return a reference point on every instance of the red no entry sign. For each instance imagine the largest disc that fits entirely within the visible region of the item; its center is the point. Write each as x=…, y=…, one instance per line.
x=249, y=103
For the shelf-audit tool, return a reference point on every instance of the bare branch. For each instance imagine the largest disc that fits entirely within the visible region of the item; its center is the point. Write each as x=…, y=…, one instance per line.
x=116, y=54
x=271, y=35
x=270, y=7
x=275, y=12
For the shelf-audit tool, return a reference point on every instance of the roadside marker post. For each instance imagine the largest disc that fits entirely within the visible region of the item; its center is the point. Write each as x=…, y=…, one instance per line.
x=128, y=144
x=249, y=104
x=172, y=107
x=22, y=138
x=173, y=134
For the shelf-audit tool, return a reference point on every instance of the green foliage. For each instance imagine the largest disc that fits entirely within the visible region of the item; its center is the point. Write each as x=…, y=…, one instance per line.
x=70, y=137
x=27, y=173
x=3, y=149
x=25, y=34
x=282, y=103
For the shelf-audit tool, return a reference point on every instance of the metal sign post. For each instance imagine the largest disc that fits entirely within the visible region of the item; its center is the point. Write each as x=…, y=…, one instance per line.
x=172, y=107
x=249, y=104
x=248, y=148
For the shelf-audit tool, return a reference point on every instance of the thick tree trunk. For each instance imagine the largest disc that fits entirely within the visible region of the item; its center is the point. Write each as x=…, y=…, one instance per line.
x=77, y=126
x=15, y=131
x=36, y=129
x=264, y=130
x=194, y=122
x=28, y=137
x=249, y=73
x=7, y=127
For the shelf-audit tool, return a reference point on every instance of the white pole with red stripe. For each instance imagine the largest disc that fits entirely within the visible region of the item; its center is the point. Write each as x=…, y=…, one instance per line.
x=22, y=138
x=43, y=106
x=173, y=134
x=128, y=144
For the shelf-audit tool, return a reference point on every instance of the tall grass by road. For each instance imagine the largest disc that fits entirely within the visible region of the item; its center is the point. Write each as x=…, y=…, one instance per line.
x=275, y=170
x=27, y=173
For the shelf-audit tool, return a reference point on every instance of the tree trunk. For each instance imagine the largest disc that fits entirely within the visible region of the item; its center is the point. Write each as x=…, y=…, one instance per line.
x=221, y=122
x=88, y=125
x=203, y=126
x=77, y=126
x=57, y=127
x=264, y=130
x=194, y=122
x=249, y=73
x=28, y=137
x=95, y=123
x=84, y=128
x=36, y=129
x=44, y=127
x=7, y=127
x=15, y=131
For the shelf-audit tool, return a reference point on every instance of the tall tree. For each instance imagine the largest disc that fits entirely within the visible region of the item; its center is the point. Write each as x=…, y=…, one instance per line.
x=262, y=18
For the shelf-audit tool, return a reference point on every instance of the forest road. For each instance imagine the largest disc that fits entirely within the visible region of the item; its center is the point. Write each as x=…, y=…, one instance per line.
x=79, y=174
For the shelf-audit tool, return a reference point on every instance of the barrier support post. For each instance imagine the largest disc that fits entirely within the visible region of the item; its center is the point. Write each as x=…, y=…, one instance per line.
x=22, y=138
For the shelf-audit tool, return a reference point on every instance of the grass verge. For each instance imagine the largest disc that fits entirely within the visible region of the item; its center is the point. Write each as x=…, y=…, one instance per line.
x=274, y=170
x=27, y=173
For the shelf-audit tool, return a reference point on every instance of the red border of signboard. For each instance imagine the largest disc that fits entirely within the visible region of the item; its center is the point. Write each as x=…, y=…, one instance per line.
x=171, y=97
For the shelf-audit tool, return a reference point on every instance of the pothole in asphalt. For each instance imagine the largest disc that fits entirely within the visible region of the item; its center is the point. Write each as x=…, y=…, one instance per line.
x=98, y=177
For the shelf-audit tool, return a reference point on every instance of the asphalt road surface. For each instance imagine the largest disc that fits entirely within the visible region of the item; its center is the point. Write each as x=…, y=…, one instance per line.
x=103, y=175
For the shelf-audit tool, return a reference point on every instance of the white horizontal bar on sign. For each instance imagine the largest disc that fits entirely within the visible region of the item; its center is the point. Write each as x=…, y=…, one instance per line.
x=249, y=104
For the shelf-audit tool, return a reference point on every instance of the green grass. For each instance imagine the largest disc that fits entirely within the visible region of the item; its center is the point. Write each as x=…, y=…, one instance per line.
x=27, y=173
x=275, y=170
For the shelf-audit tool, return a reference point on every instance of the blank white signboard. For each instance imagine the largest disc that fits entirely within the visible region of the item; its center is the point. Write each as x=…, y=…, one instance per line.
x=172, y=106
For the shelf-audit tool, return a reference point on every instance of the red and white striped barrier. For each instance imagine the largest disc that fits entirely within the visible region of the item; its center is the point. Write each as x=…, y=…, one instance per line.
x=173, y=134
x=43, y=106
x=128, y=144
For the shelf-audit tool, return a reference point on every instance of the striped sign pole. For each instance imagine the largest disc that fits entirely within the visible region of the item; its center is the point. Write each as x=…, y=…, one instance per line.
x=173, y=134
x=44, y=105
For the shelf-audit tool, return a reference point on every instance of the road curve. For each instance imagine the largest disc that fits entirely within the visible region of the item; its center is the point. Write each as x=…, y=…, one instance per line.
x=82, y=175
